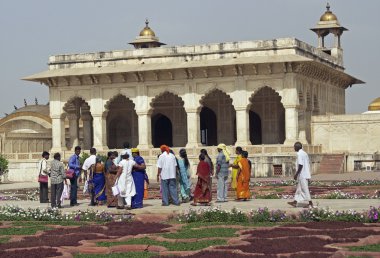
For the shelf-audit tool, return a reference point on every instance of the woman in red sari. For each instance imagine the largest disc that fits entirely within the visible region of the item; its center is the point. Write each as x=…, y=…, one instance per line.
x=202, y=193
x=243, y=178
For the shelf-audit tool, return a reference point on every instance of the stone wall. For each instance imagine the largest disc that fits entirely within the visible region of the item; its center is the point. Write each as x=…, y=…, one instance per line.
x=347, y=133
x=24, y=171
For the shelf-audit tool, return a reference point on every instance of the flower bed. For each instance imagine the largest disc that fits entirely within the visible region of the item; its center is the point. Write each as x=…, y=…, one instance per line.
x=15, y=213
x=317, y=183
x=216, y=214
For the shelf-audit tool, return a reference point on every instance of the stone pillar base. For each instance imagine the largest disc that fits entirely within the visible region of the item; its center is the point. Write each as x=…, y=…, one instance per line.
x=144, y=146
x=242, y=143
x=290, y=142
x=193, y=145
x=55, y=150
x=101, y=148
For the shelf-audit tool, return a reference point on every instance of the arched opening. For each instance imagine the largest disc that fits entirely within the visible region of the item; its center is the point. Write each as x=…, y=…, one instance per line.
x=78, y=124
x=122, y=122
x=255, y=128
x=208, y=127
x=267, y=115
x=225, y=117
x=162, y=132
x=168, y=108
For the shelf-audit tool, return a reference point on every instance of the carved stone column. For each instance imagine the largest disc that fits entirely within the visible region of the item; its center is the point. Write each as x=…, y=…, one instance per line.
x=242, y=126
x=73, y=129
x=100, y=134
x=87, y=130
x=291, y=125
x=193, y=128
x=145, y=133
x=302, y=124
x=58, y=134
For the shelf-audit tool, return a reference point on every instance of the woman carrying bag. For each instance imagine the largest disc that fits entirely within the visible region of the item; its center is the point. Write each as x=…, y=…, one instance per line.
x=43, y=177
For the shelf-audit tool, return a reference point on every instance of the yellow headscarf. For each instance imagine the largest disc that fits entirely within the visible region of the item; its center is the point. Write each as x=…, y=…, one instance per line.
x=226, y=153
x=135, y=150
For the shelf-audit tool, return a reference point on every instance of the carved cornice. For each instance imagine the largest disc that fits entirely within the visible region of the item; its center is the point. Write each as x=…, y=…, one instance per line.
x=324, y=74
x=312, y=70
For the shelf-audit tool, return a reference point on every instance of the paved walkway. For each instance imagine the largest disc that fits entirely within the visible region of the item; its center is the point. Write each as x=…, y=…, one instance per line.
x=154, y=206
x=318, y=177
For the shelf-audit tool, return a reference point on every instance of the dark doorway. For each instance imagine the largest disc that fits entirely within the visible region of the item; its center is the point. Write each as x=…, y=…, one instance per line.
x=162, y=132
x=119, y=132
x=255, y=128
x=209, y=135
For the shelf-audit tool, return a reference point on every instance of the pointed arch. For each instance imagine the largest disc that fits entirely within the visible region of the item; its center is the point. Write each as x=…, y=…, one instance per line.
x=220, y=103
x=267, y=109
x=162, y=130
x=121, y=122
x=78, y=123
x=170, y=106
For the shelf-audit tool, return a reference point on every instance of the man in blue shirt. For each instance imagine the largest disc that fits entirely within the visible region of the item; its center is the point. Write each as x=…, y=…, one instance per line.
x=74, y=164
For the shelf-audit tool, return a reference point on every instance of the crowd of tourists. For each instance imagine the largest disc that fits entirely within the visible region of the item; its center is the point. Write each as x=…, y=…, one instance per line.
x=121, y=181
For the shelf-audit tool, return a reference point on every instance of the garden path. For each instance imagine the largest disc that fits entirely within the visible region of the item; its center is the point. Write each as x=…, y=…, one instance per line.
x=154, y=206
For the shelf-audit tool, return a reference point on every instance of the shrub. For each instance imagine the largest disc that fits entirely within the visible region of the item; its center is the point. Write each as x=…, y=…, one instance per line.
x=3, y=165
x=83, y=157
x=373, y=214
x=103, y=158
x=260, y=215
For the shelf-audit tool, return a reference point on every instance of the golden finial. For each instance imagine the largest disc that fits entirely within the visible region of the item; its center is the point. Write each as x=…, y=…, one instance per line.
x=328, y=15
x=147, y=31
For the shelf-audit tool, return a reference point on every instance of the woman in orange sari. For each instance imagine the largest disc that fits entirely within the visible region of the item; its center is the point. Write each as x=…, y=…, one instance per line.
x=243, y=177
x=202, y=193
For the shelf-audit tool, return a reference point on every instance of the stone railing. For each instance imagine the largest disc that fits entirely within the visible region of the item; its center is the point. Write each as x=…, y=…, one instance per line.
x=22, y=156
x=253, y=150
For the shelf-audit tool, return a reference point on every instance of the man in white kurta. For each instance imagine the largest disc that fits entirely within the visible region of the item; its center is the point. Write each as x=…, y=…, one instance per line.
x=125, y=181
x=302, y=177
x=167, y=168
x=90, y=160
x=86, y=166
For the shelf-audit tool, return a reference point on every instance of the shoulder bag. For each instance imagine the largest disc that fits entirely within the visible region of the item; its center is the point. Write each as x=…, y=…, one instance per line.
x=70, y=173
x=42, y=178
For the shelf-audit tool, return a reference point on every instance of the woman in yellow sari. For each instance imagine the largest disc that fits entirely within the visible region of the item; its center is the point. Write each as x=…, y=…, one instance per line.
x=235, y=167
x=243, y=178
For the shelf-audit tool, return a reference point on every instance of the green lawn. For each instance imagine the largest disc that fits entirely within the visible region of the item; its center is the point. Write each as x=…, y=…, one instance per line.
x=366, y=248
x=118, y=255
x=22, y=230
x=228, y=223
x=187, y=232
x=4, y=240
x=177, y=246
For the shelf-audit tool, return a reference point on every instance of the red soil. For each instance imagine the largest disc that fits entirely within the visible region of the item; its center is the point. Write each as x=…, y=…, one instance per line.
x=32, y=253
x=330, y=225
x=72, y=236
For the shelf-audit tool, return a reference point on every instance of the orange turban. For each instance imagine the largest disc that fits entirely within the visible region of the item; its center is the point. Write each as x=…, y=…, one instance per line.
x=165, y=148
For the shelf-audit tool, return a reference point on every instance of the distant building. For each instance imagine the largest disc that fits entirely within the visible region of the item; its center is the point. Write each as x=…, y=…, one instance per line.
x=27, y=129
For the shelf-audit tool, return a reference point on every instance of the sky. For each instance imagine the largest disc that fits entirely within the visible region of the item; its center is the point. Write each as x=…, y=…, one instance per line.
x=31, y=31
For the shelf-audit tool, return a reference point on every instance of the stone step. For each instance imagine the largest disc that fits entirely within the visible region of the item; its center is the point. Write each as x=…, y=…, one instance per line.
x=331, y=164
